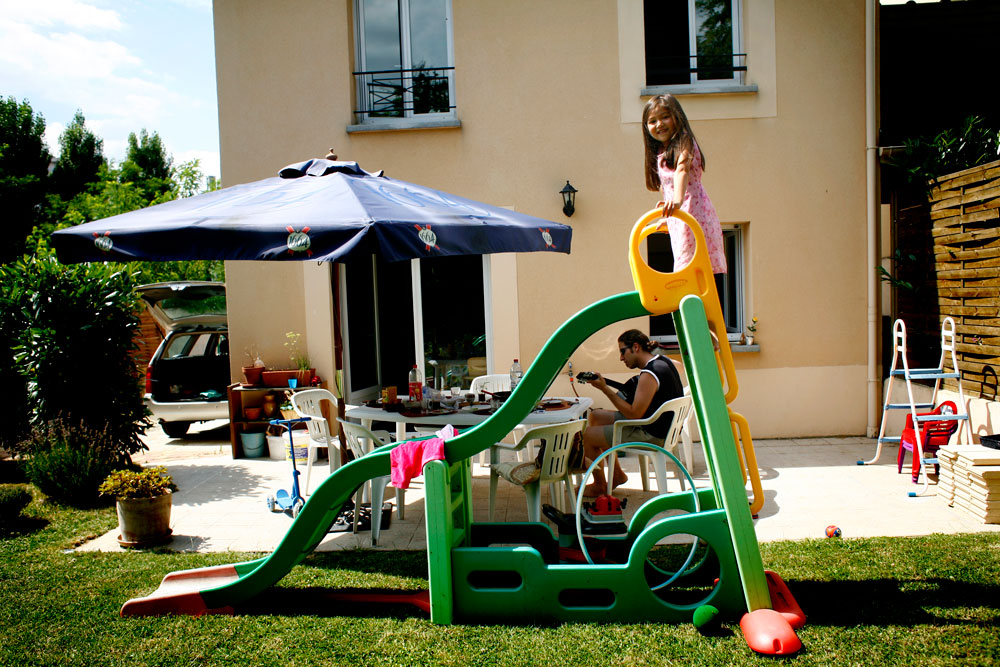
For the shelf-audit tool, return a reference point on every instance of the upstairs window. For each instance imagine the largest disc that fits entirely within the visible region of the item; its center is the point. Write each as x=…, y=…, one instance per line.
x=405, y=60
x=708, y=52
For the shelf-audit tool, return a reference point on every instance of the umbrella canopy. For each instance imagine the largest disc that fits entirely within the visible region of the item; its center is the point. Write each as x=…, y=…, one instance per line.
x=321, y=210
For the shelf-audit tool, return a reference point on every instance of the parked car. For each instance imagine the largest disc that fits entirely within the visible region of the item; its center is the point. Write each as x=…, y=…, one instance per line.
x=187, y=377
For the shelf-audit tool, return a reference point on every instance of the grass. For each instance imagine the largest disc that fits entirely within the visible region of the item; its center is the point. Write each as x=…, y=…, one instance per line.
x=922, y=601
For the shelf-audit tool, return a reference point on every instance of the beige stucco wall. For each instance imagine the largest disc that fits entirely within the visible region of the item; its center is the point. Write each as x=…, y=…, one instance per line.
x=548, y=92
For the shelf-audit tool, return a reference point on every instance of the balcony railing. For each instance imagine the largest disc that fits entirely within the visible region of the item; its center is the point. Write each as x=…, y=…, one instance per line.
x=679, y=70
x=403, y=93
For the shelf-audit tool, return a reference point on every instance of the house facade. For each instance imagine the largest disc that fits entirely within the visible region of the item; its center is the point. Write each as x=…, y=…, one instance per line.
x=506, y=102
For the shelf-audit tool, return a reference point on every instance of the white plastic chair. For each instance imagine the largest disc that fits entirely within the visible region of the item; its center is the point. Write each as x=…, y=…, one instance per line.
x=361, y=441
x=558, y=442
x=494, y=382
x=681, y=407
x=309, y=404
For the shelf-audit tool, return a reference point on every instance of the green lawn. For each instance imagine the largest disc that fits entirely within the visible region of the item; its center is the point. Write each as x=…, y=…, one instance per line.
x=919, y=601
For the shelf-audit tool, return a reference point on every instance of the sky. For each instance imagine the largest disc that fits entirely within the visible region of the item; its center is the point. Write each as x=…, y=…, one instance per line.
x=126, y=64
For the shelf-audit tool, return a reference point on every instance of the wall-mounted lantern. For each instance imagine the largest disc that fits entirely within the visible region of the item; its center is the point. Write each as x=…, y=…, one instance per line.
x=569, y=199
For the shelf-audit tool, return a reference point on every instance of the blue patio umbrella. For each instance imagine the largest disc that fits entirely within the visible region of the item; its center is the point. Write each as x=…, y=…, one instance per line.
x=320, y=210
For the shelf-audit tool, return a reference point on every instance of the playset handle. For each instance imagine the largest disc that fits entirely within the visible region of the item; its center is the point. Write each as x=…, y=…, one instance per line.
x=661, y=293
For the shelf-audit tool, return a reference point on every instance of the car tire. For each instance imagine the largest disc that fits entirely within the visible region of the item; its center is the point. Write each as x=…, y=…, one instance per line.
x=175, y=429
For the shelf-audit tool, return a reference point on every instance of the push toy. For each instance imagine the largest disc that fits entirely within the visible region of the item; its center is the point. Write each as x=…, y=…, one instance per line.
x=288, y=501
x=522, y=572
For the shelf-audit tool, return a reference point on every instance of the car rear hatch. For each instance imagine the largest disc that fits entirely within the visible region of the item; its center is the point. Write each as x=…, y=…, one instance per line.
x=192, y=364
x=189, y=304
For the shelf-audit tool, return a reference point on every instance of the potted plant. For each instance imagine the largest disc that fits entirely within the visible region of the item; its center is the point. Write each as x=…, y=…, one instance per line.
x=143, y=500
x=299, y=359
x=751, y=330
x=252, y=373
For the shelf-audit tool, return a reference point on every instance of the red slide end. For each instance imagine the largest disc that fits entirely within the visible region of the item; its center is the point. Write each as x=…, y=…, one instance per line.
x=180, y=593
x=768, y=632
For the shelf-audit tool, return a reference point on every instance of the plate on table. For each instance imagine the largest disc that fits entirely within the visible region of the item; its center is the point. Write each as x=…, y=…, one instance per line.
x=482, y=410
x=553, y=404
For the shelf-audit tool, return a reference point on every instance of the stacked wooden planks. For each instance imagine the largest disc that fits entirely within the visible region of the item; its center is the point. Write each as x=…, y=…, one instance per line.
x=970, y=480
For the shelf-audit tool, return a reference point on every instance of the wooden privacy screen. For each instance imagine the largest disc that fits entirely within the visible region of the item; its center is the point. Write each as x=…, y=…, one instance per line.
x=955, y=234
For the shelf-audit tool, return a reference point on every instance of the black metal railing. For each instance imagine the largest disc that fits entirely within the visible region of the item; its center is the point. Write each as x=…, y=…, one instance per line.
x=677, y=70
x=399, y=93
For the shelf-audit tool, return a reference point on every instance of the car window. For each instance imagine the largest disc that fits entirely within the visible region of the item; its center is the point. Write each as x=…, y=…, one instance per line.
x=197, y=345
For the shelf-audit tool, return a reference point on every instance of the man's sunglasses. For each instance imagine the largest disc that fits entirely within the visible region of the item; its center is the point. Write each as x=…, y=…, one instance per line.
x=623, y=350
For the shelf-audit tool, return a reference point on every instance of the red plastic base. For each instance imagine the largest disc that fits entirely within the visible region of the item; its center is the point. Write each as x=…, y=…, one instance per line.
x=782, y=600
x=419, y=599
x=768, y=632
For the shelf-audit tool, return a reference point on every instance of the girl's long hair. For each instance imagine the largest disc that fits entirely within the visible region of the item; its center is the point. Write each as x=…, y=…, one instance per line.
x=683, y=139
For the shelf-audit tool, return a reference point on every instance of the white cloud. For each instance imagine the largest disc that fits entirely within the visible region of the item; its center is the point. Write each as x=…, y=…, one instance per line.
x=70, y=13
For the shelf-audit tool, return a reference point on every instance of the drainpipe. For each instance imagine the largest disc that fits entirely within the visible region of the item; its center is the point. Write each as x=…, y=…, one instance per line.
x=871, y=157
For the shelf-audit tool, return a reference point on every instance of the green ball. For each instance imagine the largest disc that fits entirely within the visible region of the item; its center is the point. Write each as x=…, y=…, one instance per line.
x=706, y=619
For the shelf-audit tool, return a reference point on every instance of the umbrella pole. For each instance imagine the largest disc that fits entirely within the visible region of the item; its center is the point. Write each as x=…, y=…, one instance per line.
x=338, y=360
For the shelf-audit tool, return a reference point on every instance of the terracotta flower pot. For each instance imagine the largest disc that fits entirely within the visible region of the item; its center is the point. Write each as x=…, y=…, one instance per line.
x=305, y=377
x=252, y=414
x=278, y=378
x=144, y=522
x=252, y=374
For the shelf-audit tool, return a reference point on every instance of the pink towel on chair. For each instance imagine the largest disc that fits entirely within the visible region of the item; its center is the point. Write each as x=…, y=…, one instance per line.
x=408, y=458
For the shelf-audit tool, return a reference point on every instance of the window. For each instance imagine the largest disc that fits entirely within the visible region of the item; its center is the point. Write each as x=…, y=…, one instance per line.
x=381, y=302
x=708, y=52
x=729, y=285
x=404, y=60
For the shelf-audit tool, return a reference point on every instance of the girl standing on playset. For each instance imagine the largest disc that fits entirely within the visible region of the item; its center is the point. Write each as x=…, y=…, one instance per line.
x=674, y=164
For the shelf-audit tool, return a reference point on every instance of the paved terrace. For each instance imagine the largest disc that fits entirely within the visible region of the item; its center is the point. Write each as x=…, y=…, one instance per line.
x=808, y=485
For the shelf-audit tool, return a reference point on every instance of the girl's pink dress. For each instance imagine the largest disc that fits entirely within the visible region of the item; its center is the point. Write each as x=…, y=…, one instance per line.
x=696, y=203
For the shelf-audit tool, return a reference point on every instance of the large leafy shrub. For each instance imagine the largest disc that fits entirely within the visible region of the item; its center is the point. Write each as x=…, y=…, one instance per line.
x=74, y=329
x=68, y=462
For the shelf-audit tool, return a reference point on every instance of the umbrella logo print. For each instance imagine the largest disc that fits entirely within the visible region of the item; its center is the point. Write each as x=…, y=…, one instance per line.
x=103, y=242
x=547, y=237
x=428, y=237
x=298, y=241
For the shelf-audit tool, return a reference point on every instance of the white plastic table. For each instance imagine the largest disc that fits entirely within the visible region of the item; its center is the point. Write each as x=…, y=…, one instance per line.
x=578, y=407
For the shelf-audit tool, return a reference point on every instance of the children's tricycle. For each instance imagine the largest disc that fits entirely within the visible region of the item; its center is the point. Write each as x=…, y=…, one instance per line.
x=282, y=500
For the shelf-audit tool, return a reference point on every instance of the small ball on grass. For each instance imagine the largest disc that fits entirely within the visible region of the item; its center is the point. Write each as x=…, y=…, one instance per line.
x=706, y=619
x=833, y=531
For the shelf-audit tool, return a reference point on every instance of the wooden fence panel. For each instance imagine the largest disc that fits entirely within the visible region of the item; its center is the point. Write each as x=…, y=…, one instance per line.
x=955, y=233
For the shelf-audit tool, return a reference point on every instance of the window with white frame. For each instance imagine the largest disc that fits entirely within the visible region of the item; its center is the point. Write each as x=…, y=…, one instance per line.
x=404, y=60
x=707, y=52
x=729, y=284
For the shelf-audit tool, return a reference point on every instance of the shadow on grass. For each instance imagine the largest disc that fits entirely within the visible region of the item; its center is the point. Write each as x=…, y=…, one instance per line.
x=898, y=602
x=22, y=526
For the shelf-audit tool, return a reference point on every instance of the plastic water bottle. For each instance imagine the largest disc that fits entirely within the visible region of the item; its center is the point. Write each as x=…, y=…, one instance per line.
x=415, y=384
x=515, y=374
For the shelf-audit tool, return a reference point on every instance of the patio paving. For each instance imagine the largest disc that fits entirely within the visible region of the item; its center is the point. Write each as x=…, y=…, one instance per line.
x=808, y=485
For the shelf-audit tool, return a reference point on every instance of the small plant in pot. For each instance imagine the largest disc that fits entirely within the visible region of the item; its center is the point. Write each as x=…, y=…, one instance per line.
x=143, y=500
x=299, y=359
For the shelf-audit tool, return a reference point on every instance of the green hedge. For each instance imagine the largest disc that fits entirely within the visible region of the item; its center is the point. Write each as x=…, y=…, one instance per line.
x=66, y=337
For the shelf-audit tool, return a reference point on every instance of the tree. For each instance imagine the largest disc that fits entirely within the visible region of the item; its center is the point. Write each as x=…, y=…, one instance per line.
x=24, y=168
x=148, y=165
x=80, y=159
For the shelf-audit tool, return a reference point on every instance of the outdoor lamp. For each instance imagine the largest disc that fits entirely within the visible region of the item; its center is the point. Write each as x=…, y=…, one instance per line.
x=569, y=199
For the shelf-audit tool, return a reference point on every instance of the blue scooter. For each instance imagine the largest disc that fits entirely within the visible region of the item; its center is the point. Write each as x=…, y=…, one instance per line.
x=281, y=499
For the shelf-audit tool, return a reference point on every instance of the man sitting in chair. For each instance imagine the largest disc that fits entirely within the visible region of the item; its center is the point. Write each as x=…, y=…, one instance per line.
x=658, y=382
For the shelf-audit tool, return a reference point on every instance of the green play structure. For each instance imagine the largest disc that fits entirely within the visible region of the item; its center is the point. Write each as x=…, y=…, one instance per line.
x=512, y=572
